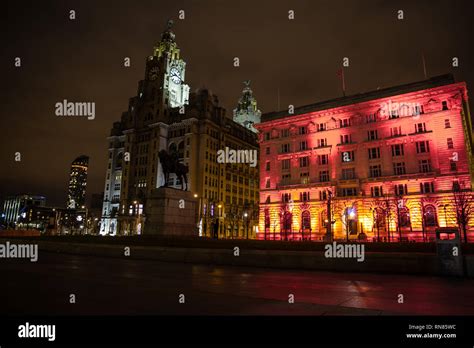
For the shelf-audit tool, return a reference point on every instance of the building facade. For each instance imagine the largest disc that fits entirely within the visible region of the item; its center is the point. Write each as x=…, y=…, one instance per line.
x=16, y=208
x=76, y=197
x=383, y=165
x=246, y=113
x=165, y=116
x=227, y=192
x=133, y=165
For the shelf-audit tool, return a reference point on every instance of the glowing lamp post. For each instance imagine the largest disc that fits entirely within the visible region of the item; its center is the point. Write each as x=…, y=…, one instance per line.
x=219, y=221
x=246, y=216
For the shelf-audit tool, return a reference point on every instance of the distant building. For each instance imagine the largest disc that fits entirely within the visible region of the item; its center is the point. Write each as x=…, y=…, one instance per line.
x=382, y=164
x=40, y=218
x=246, y=113
x=15, y=207
x=76, y=197
x=74, y=221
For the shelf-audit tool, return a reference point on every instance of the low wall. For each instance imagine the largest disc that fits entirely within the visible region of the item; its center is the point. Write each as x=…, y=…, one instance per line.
x=379, y=262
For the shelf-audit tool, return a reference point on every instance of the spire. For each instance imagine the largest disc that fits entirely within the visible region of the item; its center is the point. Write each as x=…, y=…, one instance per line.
x=246, y=113
x=168, y=35
x=167, y=42
x=247, y=102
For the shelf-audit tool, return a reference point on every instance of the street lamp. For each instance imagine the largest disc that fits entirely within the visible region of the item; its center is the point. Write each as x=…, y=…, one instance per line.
x=219, y=220
x=86, y=218
x=328, y=236
x=199, y=216
x=137, y=214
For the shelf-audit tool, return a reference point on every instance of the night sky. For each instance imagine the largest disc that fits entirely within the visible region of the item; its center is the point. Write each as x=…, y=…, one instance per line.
x=82, y=60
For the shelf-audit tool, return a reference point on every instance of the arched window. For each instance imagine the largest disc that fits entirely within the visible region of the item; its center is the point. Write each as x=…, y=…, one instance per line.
x=287, y=217
x=305, y=220
x=404, y=217
x=349, y=218
x=431, y=218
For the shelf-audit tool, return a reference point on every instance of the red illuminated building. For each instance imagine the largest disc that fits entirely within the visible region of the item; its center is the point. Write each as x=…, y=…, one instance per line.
x=388, y=164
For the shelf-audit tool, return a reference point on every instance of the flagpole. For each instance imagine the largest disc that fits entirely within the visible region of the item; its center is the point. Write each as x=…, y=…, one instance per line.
x=278, y=99
x=424, y=65
x=343, y=83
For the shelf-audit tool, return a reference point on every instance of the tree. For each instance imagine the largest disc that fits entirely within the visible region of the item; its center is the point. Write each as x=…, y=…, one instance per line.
x=463, y=205
x=347, y=211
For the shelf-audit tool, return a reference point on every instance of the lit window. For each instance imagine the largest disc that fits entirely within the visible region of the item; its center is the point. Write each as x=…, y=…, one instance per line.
x=427, y=187
x=375, y=171
x=453, y=165
x=450, y=143
x=430, y=216
x=372, y=135
x=399, y=168
x=420, y=128
x=425, y=166
x=374, y=153
x=324, y=176
x=422, y=146
x=376, y=191
x=348, y=173
x=397, y=150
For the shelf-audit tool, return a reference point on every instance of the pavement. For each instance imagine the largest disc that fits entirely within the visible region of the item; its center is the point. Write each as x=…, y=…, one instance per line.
x=121, y=286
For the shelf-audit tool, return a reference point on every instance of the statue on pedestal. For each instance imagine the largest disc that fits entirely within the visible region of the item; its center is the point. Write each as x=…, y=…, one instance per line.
x=170, y=164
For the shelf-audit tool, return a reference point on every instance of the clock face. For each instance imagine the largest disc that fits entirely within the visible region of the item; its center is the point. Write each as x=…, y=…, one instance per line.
x=153, y=73
x=175, y=75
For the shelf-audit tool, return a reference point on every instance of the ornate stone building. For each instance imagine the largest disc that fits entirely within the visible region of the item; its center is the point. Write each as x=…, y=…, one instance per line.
x=386, y=164
x=133, y=168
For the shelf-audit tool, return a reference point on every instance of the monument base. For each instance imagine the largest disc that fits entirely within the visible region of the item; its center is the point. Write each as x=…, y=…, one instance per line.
x=171, y=212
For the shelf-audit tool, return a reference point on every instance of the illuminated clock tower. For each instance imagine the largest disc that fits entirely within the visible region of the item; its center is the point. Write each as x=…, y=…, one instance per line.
x=166, y=71
x=134, y=169
x=246, y=112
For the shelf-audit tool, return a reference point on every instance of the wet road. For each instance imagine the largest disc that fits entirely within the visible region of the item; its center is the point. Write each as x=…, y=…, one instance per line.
x=127, y=286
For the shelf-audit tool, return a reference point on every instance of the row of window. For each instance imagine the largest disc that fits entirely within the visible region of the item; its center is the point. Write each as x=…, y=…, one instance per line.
x=347, y=122
x=240, y=190
x=235, y=200
x=373, y=153
x=430, y=218
x=179, y=132
x=345, y=139
x=375, y=171
x=375, y=191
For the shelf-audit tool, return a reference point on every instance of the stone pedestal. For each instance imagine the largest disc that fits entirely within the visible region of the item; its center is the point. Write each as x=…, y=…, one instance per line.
x=171, y=212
